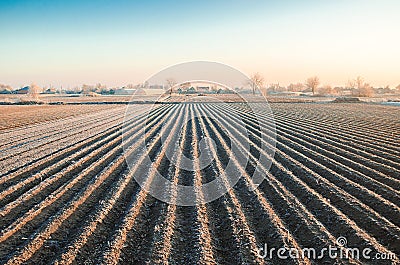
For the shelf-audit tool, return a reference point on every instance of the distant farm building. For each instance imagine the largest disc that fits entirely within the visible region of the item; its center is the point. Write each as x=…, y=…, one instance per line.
x=133, y=91
x=153, y=91
x=24, y=90
x=125, y=91
x=189, y=88
x=203, y=88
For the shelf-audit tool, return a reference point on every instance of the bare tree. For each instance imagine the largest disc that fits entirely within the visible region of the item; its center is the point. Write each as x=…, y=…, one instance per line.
x=86, y=89
x=359, y=81
x=351, y=84
x=171, y=83
x=290, y=87
x=274, y=87
x=100, y=88
x=312, y=83
x=366, y=90
x=325, y=90
x=75, y=89
x=34, y=91
x=295, y=87
x=360, y=88
x=256, y=82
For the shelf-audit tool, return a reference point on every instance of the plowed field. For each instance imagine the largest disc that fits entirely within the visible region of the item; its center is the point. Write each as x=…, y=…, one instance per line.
x=67, y=195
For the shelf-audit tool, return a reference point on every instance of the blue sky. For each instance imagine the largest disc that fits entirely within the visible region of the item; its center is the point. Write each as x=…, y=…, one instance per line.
x=118, y=42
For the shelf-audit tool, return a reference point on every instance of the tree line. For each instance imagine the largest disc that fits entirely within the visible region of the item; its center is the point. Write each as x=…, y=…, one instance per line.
x=354, y=87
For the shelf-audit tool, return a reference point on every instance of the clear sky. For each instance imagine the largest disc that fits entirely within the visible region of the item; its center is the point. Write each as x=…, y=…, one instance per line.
x=119, y=42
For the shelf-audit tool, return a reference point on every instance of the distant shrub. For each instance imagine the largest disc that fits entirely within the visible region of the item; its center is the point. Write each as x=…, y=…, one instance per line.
x=346, y=100
x=366, y=91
